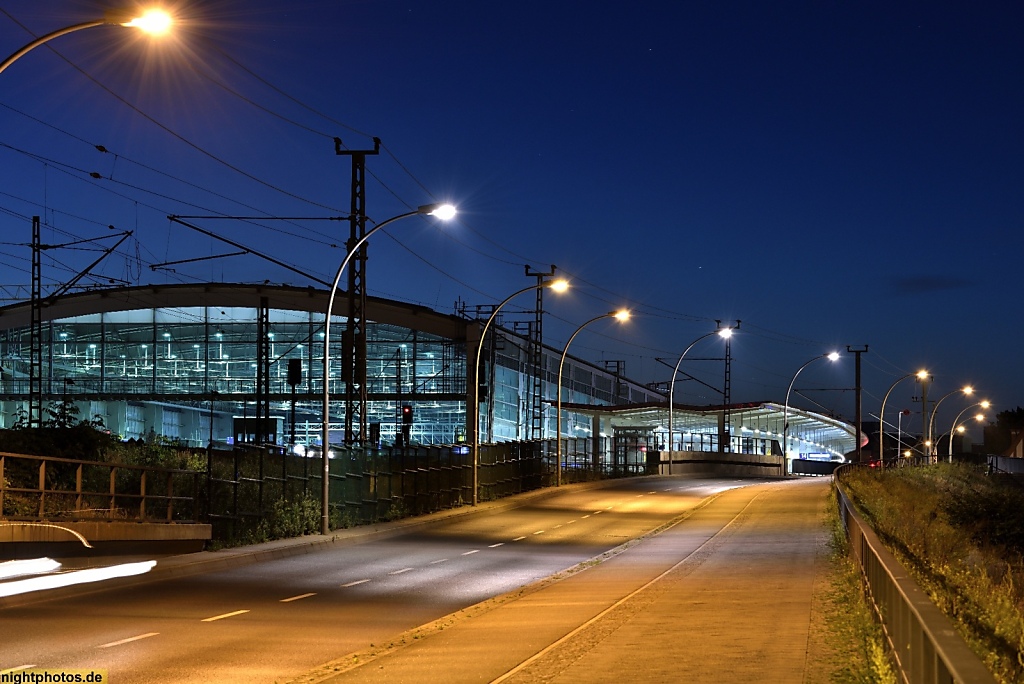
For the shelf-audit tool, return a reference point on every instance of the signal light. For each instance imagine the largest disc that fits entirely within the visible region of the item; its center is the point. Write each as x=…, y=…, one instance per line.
x=407, y=415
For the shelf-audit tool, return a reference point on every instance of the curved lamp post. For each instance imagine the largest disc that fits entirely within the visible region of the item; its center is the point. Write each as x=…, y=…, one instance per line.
x=980, y=417
x=154, y=22
x=967, y=390
x=557, y=286
x=621, y=315
x=721, y=332
x=441, y=211
x=831, y=356
x=920, y=375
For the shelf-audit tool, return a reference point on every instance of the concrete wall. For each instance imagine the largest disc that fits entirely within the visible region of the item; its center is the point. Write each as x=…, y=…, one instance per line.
x=713, y=463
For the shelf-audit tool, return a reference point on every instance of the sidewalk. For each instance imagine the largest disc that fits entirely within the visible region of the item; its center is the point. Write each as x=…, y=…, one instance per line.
x=727, y=595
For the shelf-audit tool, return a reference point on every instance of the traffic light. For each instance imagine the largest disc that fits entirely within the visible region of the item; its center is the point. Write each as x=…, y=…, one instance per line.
x=406, y=415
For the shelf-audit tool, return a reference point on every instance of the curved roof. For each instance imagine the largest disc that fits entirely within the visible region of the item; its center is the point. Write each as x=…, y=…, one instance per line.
x=288, y=297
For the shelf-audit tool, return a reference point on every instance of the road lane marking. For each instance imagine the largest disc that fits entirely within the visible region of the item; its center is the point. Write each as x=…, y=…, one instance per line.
x=494, y=546
x=399, y=572
x=557, y=526
x=440, y=560
x=16, y=669
x=586, y=516
x=597, y=513
x=129, y=640
x=225, y=615
x=539, y=532
x=300, y=596
x=519, y=539
x=470, y=553
x=570, y=522
x=352, y=584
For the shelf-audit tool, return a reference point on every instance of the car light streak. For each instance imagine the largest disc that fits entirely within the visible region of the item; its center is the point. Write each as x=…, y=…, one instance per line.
x=68, y=579
x=32, y=566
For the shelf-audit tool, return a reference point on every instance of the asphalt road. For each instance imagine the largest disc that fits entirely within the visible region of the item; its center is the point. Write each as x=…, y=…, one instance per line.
x=275, y=620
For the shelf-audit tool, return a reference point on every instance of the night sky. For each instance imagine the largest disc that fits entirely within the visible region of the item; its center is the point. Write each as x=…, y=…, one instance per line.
x=829, y=173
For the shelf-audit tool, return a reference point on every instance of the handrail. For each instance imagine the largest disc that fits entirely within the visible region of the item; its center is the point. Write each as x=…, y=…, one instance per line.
x=922, y=640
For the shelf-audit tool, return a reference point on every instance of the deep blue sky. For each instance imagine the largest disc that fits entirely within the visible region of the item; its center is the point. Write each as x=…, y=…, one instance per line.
x=831, y=173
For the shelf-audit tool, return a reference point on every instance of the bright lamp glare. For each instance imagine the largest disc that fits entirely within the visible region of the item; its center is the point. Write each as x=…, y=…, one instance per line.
x=445, y=212
x=560, y=285
x=725, y=332
x=968, y=390
x=834, y=356
x=155, y=22
x=622, y=315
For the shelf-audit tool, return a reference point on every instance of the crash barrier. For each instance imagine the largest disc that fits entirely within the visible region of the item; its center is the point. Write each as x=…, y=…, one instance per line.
x=924, y=645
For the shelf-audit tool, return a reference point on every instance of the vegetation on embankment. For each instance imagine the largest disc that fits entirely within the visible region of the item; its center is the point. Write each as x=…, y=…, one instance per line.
x=960, y=532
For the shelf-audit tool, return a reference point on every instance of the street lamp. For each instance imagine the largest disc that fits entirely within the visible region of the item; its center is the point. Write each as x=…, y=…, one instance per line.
x=920, y=375
x=556, y=286
x=441, y=211
x=622, y=316
x=980, y=417
x=155, y=22
x=724, y=333
x=967, y=390
x=831, y=356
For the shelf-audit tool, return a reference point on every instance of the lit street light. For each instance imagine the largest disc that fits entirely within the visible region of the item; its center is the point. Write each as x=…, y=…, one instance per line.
x=920, y=375
x=556, y=286
x=967, y=391
x=441, y=211
x=831, y=356
x=724, y=333
x=154, y=22
x=622, y=315
x=955, y=428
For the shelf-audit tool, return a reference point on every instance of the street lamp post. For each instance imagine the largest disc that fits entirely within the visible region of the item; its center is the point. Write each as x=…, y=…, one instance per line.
x=831, y=356
x=725, y=333
x=920, y=375
x=154, y=22
x=620, y=315
x=980, y=417
x=441, y=211
x=967, y=390
x=555, y=285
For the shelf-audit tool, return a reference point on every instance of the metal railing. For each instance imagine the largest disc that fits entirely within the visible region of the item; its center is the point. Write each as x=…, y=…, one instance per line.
x=923, y=643
x=50, y=488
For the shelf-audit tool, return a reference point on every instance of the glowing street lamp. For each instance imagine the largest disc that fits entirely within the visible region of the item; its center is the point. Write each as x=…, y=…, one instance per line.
x=831, y=356
x=558, y=286
x=622, y=316
x=920, y=375
x=724, y=333
x=960, y=428
x=967, y=391
x=154, y=22
x=441, y=211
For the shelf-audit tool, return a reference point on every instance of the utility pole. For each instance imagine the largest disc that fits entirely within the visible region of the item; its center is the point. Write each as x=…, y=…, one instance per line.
x=536, y=356
x=353, y=341
x=857, y=391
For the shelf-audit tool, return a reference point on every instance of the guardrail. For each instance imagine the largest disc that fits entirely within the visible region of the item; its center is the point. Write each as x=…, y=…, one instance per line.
x=922, y=640
x=50, y=488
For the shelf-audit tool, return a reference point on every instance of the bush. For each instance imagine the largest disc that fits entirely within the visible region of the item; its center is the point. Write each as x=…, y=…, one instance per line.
x=958, y=532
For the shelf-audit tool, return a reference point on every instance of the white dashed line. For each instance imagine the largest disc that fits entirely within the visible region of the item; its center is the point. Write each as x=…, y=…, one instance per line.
x=129, y=640
x=300, y=596
x=539, y=532
x=586, y=516
x=470, y=553
x=399, y=572
x=16, y=669
x=225, y=615
x=570, y=522
x=352, y=584
x=494, y=546
x=557, y=526
x=598, y=512
x=440, y=560
x=519, y=539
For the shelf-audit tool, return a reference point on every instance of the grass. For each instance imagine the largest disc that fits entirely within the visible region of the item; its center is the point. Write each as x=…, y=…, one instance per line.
x=960, y=533
x=856, y=642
